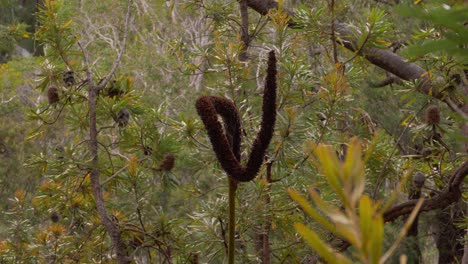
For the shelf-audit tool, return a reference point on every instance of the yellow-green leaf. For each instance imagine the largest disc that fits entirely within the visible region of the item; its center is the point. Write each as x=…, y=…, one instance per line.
x=330, y=165
x=320, y=246
x=376, y=241
x=67, y=24
x=331, y=211
x=309, y=210
x=365, y=216
x=350, y=233
x=133, y=165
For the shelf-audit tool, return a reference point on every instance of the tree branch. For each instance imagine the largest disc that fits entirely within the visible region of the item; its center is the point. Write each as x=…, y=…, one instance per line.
x=451, y=194
x=111, y=226
x=245, y=38
x=119, y=57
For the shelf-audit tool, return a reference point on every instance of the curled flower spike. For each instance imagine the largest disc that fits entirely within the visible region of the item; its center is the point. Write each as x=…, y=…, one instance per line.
x=226, y=142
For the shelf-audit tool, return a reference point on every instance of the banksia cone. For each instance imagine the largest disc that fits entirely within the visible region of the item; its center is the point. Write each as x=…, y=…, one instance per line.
x=226, y=142
x=268, y=117
x=147, y=151
x=69, y=78
x=418, y=180
x=53, y=94
x=432, y=115
x=123, y=116
x=54, y=216
x=167, y=163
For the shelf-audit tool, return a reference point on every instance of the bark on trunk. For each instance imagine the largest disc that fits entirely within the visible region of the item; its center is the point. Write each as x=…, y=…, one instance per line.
x=448, y=237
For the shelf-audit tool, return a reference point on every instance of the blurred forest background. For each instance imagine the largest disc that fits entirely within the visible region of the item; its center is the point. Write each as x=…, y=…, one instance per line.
x=103, y=157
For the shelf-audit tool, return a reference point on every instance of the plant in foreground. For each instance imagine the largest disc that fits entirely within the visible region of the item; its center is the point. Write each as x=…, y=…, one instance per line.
x=226, y=141
x=360, y=220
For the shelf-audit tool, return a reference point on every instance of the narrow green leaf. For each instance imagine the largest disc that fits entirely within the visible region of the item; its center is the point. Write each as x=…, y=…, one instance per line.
x=67, y=24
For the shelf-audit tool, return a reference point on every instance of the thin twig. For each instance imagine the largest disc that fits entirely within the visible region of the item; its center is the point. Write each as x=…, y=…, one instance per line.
x=333, y=33
x=244, y=30
x=124, y=45
x=110, y=226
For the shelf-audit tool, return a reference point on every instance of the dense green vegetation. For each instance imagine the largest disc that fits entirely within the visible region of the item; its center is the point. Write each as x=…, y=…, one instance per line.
x=104, y=157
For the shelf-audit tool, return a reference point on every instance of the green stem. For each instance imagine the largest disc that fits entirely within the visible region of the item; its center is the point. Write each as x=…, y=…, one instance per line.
x=232, y=219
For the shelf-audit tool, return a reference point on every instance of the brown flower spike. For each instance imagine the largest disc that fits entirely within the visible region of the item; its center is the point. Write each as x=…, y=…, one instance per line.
x=167, y=163
x=432, y=115
x=226, y=142
x=53, y=94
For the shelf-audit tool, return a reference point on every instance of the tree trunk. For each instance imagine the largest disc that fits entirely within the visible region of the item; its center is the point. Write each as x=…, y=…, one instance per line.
x=448, y=237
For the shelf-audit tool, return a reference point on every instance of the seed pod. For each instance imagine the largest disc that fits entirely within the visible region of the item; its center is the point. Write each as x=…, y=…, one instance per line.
x=432, y=116
x=69, y=78
x=418, y=180
x=168, y=162
x=53, y=94
x=147, y=151
x=54, y=216
x=123, y=117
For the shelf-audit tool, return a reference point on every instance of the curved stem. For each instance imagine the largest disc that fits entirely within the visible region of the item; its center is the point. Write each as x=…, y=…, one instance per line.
x=232, y=220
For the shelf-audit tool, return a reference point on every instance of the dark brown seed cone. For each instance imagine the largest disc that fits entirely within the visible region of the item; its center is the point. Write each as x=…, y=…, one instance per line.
x=54, y=216
x=432, y=115
x=148, y=151
x=123, y=116
x=168, y=162
x=53, y=94
x=69, y=78
x=208, y=107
